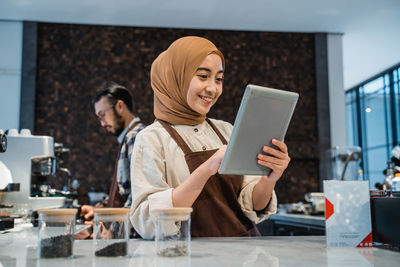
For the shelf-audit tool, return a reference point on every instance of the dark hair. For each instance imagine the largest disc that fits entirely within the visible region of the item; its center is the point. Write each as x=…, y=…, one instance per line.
x=115, y=92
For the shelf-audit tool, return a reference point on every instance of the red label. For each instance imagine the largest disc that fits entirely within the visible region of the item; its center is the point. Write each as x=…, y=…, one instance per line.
x=329, y=209
x=367, y=241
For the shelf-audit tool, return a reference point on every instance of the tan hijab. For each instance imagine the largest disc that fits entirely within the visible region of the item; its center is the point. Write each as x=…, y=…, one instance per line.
x=171, y=73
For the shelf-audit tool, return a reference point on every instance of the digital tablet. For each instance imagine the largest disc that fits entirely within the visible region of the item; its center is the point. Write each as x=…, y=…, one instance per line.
x=264, y=114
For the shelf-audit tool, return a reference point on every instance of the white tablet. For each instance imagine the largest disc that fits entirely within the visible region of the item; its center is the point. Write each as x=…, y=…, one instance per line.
x=264, y=114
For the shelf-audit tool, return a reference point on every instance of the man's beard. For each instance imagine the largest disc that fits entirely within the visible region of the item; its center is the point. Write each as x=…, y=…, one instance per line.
x=119, y=124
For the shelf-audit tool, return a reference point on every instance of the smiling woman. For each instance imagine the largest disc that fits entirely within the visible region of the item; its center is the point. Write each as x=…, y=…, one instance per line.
x=206, y=85
x=175, y=159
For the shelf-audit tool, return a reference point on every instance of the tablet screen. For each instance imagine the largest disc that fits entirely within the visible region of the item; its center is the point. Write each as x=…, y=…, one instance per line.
x=264, y=114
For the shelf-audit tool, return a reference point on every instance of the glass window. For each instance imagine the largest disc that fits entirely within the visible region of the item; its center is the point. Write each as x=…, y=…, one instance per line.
x=377, y=159
x=349, y=119
x=375, y=126
x=373, y=121
x=373, y=86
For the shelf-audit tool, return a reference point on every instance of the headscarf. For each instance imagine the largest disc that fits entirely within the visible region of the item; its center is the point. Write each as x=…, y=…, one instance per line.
x=171, y=73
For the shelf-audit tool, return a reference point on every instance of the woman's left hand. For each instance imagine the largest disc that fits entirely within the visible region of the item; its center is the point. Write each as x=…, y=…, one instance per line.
x=275, y=159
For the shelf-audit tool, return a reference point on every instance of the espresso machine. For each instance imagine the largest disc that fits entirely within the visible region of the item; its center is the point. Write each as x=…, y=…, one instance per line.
x=30, y=159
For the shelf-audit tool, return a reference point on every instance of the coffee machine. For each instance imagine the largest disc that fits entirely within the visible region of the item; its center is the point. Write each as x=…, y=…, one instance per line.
x=29, y=157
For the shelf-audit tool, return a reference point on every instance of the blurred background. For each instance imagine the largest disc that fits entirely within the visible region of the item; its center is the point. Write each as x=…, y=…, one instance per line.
x=341, y=57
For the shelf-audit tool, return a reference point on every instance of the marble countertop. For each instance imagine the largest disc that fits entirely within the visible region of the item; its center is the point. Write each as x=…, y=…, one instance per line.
x=20, y=249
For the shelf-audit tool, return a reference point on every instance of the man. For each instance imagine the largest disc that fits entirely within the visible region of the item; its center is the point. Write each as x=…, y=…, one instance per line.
x=115, y=111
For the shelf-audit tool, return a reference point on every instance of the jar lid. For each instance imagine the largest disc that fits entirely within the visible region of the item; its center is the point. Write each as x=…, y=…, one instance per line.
x=173, y=211
x=58, y=212
x=111, y=211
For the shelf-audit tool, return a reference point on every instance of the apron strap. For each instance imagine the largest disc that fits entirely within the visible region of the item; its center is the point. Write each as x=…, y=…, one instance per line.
x=179, y=140
x=175, y=135
x=221, y=137
x=114, y=197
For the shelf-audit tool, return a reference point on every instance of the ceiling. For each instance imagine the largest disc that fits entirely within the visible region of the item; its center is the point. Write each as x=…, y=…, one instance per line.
x=371, y=28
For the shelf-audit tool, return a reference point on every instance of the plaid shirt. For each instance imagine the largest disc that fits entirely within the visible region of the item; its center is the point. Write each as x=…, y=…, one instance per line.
x=124, y=168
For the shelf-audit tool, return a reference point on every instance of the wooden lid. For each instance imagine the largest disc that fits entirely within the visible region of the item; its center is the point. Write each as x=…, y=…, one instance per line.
x=111, y=211
x=173, y=211
x=58, y=212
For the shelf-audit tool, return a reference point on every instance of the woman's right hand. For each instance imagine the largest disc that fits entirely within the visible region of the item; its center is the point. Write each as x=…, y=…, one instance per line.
x=187, y=192
x=215, y=160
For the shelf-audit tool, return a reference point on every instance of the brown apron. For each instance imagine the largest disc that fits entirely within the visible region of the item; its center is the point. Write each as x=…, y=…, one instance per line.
x=216, y=211
x=115, y=199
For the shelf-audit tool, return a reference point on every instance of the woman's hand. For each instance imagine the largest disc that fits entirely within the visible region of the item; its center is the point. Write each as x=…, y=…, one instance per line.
x=275, y=159
x=215, y=160
x=187, y=192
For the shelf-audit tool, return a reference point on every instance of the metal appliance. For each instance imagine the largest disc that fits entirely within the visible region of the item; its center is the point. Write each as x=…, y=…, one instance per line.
x=315, y=205
x=3, y=142
x=29, y=157
x=343, y=163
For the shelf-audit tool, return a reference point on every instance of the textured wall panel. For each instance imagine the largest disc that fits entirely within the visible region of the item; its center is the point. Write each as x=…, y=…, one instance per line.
x=75, y=60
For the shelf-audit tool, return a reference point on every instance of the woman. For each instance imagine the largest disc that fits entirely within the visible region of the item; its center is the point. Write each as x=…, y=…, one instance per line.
x=176, y=159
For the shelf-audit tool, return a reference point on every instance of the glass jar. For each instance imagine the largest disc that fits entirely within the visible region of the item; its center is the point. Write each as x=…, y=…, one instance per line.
x=56, y=232
x=172, y=232
x=111, y=232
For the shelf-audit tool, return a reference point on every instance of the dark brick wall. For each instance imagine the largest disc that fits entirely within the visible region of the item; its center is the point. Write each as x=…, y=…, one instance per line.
x=74, y=60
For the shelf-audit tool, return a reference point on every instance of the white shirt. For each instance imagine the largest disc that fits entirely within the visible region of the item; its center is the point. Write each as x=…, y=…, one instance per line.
x=158, y=165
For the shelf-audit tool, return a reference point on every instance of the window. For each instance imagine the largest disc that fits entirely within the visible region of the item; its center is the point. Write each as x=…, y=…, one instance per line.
x=372, y=119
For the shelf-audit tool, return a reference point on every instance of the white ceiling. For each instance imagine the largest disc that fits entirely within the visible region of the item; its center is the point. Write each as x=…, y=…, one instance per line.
x=371, y=28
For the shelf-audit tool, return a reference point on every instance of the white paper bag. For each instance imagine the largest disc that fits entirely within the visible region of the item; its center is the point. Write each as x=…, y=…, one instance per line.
x=347, y=214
